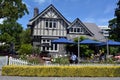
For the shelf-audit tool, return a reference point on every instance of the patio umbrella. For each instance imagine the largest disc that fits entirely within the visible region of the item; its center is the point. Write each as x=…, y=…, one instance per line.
x=89, y=42
x=62, y=41
x=110, y=43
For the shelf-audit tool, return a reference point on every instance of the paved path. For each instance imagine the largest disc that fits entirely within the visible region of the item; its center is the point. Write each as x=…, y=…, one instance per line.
x=56, y=78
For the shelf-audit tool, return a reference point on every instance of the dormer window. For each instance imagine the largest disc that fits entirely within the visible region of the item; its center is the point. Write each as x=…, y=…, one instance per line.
x=76, y=30
x=50, y=23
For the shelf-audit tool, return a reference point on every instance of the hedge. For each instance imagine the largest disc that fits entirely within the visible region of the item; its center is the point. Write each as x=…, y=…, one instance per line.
x=62, y=71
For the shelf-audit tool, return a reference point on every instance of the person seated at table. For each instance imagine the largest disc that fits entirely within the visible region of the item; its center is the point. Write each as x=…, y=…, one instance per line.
x=73, y=58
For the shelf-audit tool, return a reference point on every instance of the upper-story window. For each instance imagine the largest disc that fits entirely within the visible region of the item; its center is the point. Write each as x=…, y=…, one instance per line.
x=46, y=23
x=50, y=23
x=54, y=24
x=76, y=30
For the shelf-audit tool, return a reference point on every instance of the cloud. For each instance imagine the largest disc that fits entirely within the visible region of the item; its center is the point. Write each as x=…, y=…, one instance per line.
x=41, y=1
x=101, y=21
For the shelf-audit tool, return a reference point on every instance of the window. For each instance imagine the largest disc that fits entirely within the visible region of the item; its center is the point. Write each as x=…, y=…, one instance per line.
x=43, y=40
x=71, y=29
x=50, y=24
x=46, y=45
x=76, y=30
x=48, y=40
x=47, y=48
x=55, y=46
x=51, y=46
x=47, y=24
x=43, y=48
x=54, y=24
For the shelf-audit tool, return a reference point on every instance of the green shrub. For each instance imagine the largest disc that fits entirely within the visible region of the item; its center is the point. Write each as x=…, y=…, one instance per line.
x=25, y=49
x=61, y=60
x=62, y=71
x=36, y=50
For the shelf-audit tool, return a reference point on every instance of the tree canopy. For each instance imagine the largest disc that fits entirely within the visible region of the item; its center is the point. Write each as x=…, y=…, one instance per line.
x=25, y=36
x=10, y=31
x=115, y=24
x=12, y=9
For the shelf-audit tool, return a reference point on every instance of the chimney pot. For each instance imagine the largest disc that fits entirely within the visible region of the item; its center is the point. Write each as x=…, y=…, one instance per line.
x=36, y=11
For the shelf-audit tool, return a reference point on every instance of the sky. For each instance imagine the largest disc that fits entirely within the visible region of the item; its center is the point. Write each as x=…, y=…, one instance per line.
x=93, y=11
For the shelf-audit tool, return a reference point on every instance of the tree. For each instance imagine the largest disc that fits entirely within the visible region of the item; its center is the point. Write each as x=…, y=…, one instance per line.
x=12, y=9
x=117, y=14
x=113, y=22
x=5, y=37
x=25, y=49
x=10, y=31
x=114, y=33
x=25, y=36
x=112, y=25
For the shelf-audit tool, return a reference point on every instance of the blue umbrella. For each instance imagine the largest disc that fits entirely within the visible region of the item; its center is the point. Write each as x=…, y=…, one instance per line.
x=110, y=42
x=89, y=41
x=62, y=41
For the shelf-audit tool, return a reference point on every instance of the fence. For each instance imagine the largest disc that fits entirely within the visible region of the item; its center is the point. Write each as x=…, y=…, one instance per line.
x=3, y=61
x=14, y=61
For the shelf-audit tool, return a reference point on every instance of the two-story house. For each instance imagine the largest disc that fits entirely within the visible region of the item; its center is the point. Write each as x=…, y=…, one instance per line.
x=50, y=24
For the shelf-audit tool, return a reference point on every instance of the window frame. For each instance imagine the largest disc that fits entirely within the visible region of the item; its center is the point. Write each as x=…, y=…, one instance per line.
x=76, y=30
x=51, y=24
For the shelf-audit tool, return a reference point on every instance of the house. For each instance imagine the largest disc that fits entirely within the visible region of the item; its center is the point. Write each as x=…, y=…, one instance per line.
x=50, y=24
x=105, y=30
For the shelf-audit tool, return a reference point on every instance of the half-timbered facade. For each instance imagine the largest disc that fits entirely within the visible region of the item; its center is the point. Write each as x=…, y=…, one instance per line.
x=50, y=24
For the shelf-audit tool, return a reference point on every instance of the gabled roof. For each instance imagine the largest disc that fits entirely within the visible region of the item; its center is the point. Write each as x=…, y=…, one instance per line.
x=95, y=30
x=49, y=7
x=79, y=21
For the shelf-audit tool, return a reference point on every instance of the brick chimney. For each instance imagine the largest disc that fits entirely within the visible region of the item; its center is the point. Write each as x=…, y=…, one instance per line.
x=36, y=12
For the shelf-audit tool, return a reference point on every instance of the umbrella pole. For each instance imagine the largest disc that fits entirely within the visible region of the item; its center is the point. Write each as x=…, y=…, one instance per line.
x=107, y=47
x=78, y=50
